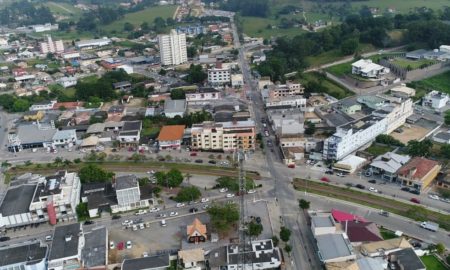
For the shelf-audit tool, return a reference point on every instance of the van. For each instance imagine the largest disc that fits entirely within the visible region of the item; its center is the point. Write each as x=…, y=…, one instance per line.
x=163, y=223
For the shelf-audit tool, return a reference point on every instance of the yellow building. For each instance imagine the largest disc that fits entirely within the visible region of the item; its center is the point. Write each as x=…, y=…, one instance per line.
x=33, y=116
x=418, y=173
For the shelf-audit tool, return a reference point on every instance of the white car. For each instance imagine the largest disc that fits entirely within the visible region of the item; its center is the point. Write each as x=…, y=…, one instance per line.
x=141, y=226
x=251, y=191
x=204, y=200
x=180, y=204
x=229, y=195
x=151, y=172
x=173, y=214
x=48, y=238
x=129, y=245
x=433, y=196
x=134, y=227
x=373, y=189
x=162, y=215
x=163, y=223
x=340, y=174
x=205, y=206
x=223, y=190
x=144, y=254
x=111, y=245
x=127, y=222
x=154, y=210
x=141, y=212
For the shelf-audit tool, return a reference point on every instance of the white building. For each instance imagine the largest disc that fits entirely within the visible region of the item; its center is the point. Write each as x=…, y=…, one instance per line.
x=67, y=81
x=65, y=138
x=219, y=75
x=128, y=194
x=334, y=247
x=172, y=48
x=92, y=43
x=43, y=106
x=38, y=28
x=435, y=99
x=237, y=80
x=203, y=95
x=291, y=101
x=263, y=253
x=67, y=245
x=174, y=107
x=396, y=113
x=322, y=223
x=51, y=46
x=366, y=68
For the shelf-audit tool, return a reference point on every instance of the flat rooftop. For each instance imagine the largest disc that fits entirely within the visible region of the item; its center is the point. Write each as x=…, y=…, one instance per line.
x=94, y=251
x=29, y=253
x=156, y=262
x=17, y=200
x=65, y=241
x=322, y=221
x=333, y=246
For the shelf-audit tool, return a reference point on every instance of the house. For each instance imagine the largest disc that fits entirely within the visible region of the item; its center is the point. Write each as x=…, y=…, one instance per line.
x=403, y=91
x=416, y=55
x=341, y=216
x=67, y=243
x=65, y=138
x=122, y=86
x=43, y=106
x=237, y=80
x=67, y=81
x=418, y=173
x=174, y=107
x=196, y=232
x=170, y=137
x=28, y=255
x=90, y=142
x=258, y=57
x=406, y=259
x=388, y=164
x=203, y=95
x=361, y=232
x=349, y=106
x=292, y=154
x=435, y=100
x=130, y=133
x=191, y=258
x=99, y=197
x=385, y=247
x=322, y=224
x=33, y=115
x=118, y=111
x=287, y=122
x=442, y=137
x=75, y=105
x=334, y=248
x=95, y=248
x=264, y=82
x=128, y=194
x=366, y=68
x=160, y=262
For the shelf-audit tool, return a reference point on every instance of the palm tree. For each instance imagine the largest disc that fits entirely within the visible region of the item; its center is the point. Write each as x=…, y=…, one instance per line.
x=303, y=204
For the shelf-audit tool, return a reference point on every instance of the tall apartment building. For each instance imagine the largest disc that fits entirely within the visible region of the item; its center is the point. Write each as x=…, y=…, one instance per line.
x=226, y=136
x=51, y=46
x=172, y=48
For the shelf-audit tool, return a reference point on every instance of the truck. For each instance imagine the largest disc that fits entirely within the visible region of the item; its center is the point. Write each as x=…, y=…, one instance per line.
x=431, y=226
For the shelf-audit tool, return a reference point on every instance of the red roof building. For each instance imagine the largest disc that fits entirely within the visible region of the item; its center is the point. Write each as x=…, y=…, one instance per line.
x=362, y=232
x=341, y=216
x=418, y=173
x=68, y=105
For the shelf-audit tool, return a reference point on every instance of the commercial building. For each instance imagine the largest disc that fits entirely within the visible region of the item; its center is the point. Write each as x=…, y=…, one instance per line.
x=322, y=224
x=349, y=164
x=172, y=48
x=43, y=105
x=225, y=136
x=219, y=75
x=435, y=100
x=28, y=256
x=128, y=194
x=51, y=46
x=202, y=95
x=67, y=243
x=130, y=133
x=387, y=165
x=95, y=248
x=418, y=173
x=170, y=137
x=263, y=255
x=366, y=68
x=159, y=262
x=174, y=107
x=285, y=90
x=334, y=248
x=92, y=43
x=237, y=80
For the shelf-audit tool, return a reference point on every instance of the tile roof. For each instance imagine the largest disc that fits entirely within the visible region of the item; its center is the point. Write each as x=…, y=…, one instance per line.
x=417, y=168
x=362, y=231
x=198, y=226
x=344, y=216
x=171, y=133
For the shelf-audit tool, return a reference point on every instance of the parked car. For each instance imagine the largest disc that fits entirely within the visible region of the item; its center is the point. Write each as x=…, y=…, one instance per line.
x=384, y=213
x=340, y=174
x=141, y=212
x=4, y=238
x=88, y=222
x=329, y=172
x=162, y=215
x=360, y=186
x=291, y=166
x=193, y=154
x=373, y=189
x=212, y=162
x=154, y=210
x=112, y=245
x=433, y=197
x=415, y=200
x=415, y=191
x=349, y=184
x=163, y=223
x=198, y=161
x=129, y=245
x=325, y=179
x=48, y=238
x=203, y=200
x=205, y=206
x=116, y=217
x=230, y=195
x=193, y=210
x=173, y=214
x=223, y=190
x=180, y=204
x=251, y=191
x=407, y=189
x=373, y=181
x=141, y=226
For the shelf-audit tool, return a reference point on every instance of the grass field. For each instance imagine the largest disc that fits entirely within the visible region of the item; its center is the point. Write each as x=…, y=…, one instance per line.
x=431, y=262
x=137, y=18
x=257, y=27
x=64, y=9
x=439, y=82
x=377, y=150
x=387, y=234
x=413, y=64
x=340, y=69
x=332, y=88
x=64, y=35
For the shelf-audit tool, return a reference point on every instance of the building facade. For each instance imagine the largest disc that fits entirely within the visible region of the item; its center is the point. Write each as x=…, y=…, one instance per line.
x=172, y=48
x=219, y=76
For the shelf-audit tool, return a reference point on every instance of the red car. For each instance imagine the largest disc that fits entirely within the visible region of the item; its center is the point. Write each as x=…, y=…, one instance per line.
x=325, y=179
x=193, y=154
x=415, y=200
x=292, y=166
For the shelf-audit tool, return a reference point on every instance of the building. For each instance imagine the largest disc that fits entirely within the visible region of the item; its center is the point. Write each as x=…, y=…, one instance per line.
x=418, y=173
x=191, y=258
x=406, y=259
x=334, y=248
x=43, y=106
x=349, y=164
x=219, y=75
x=285, y=90
x=160, y=262
x=31, y=136
x=92, y=43
x=130, y=133
x=95, y=248
x=203, y=95
x=263, y=255
x=28, y=256
x=67, y=243
x=264, y=82
x=349, y=106
x=258, y=57
x=385, y=247
x=64, y=138
x=403, y=91
x=51, y=46
x=172, y=48
x=33, y=115
x=387, y=165
x=174, y=107
x=224, y=136
x=396, y=112
x=128, y=194
x=67, y=81
x=366, y=68
x=361, y=232
x=322, y=224
x=442, y=137
x=435, y=99
x=237, y=80
x=291, y=101
x=170, y=137
x=122, y=86
x=287, y=122
x=38, y=28
x=118, y=111
x=196, y=232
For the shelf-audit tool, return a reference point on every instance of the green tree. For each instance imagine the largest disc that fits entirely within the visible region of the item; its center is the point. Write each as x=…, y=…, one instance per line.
x=223, y=217
x=448, y=259
x=191, y=51
x=285, y=234
x=77, y=161
x=82, y=211
x=310, y=128
x=196, y=74
x=177, y=93
x=145, y=26
x=349, y=46
x=162, y=72
x=440, y=248
x=5, y=164
x=288, y=248
x=188, y=194
x=21, y=105
x=303, y=204
x=275, y=240
x=127, y=27
x=67, y=162
x=143, y=181
x=421, y=149
x=254, y=229
x=446, y=117
x=445, y=151
x=388, y=139
x=28, y=163
x=174, y=178
x=58, y=161
x=93, y=173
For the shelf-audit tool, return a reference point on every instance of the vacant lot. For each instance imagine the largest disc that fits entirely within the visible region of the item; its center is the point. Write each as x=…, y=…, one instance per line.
x=341, y=69
x=261, y=27
x=64, y=9
x=330, y=87
x=137, y=18
x=410, y=133
x=431, y=262
x=412, y=64
x=376, y=149
x=439, y=82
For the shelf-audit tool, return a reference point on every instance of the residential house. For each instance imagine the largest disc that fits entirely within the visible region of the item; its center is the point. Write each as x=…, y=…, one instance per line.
x=349, y=164
x=237, y=80
x=117, y=111
x=170, y=137
x=334, y=248
x=75, y=105
x=33, y=115
x=196, y=232
x=418, y=173
x=406, y=259
x=442, y=137
x=285, y=90
x=385, y=247
x=258, y=57
x=29, y=255
x=416, y=55
x=67, y=81
x=292, y=154
x=349, y=106
x=436, y=100
x=341, y=216
x=403, y=91
x=203, y=95
x=130, y=133
x=264, y=82
x=191, y=258
x=366, y=68
x=99, y=197
x=287, y=122
x=387, y=165
x=160, y=262
x=174, y=107
x=361, y=232
x=67, y=243
x=43, y=106
x=122, y=86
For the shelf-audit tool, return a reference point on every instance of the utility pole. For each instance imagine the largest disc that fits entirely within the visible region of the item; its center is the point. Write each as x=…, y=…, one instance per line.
x=242, y=236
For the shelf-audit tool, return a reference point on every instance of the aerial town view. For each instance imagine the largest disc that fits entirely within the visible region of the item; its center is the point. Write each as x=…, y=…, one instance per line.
x=224, y=134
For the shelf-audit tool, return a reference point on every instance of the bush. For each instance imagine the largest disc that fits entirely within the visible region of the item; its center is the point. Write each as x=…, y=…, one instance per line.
x=172, y=178
x=285, y=234
x=187, y=194
x=93, y=173
x=388, y=140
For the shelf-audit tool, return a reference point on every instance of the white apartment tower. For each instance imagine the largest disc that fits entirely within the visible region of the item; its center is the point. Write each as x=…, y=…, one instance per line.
x=52, y=46
x=172, y=48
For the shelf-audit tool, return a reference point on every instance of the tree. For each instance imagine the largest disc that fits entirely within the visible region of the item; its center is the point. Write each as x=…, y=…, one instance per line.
x=162, y=72
x=177, y=93
x=93, y=173
x=445, y=151
x=254, y=229
x=191, y=51
x=58, y=161
x=5, y=164
x=174, y=178
x=440, y=248
x=196, y=74
x=349, y=46
x=77, y=161
x=21, y=105
x=421, y=149
x=188, y=194
x=127, y=27
x=275, y=240
x=285, y=234
x=446, y=117
x=388, y=140
x=145, y=26
x=288, y=248
x=448, y=259
x=223, y=217
x=67, y=162
x=303, y=204
x=310, y=128
x=82, y=211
